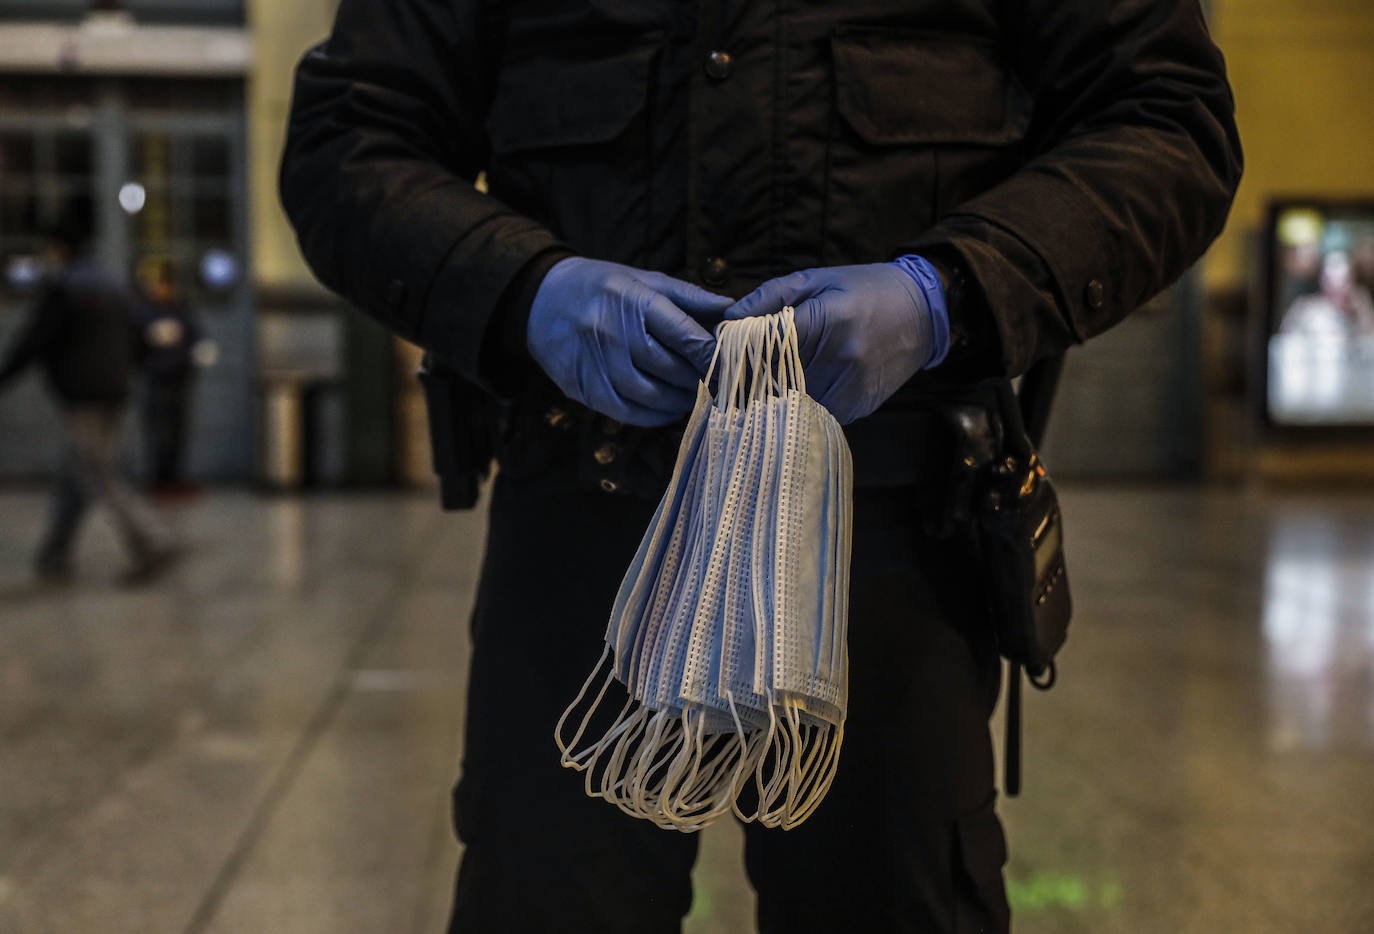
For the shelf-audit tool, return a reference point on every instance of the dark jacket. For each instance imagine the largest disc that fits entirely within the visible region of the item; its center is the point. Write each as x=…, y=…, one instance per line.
x=82, y=332
x=167, y=359
x=1067, y=158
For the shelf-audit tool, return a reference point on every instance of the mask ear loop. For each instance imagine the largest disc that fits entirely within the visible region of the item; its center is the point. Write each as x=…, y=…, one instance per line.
x=694, y=790
x=770, y=739
x=786, y=739
x=690, y=773
x=785, y=778
x=773, y=386
x=625, y=722
x=781, y=366
x=778, y=754
x=832, y=762
x=592, y=754
x=762, y=337
x=563, y=748
x=816, y=742
x=691, y=801
x=715, y=355
x=744, y=353
x=729, y=355
x=792, y=346
x=686, y=758
x=726, y=750
x=615, y=781
x=654, y=753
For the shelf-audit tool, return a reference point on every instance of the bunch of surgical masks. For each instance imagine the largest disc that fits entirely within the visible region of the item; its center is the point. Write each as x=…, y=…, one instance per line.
x=729, y=629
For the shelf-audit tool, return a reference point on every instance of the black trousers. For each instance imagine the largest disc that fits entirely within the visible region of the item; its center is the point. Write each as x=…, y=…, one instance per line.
x=165, y=413
x=907, y=839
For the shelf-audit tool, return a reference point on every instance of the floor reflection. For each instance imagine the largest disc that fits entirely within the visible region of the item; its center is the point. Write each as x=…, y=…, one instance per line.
x=265, y=741
x=1319, y=631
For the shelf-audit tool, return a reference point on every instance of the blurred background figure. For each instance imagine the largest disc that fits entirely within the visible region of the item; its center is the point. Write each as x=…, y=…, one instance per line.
x=1342, y=308
x=82, y=332
x=171, y=341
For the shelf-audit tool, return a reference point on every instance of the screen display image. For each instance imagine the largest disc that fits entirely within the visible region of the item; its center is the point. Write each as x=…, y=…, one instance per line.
x=1320, y=350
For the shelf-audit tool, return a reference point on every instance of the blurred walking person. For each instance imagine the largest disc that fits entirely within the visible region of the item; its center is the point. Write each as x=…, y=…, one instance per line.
x=82, y=332
x=169, y=335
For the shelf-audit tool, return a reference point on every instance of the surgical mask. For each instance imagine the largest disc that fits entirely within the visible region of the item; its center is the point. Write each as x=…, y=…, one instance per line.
x=728, y=633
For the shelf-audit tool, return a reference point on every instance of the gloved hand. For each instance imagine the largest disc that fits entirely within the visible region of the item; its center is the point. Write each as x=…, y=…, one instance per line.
x=863, y=330
x=621, y=340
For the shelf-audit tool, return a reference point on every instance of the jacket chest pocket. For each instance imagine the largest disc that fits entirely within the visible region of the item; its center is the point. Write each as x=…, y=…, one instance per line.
x=570, y=145
x=923, y=122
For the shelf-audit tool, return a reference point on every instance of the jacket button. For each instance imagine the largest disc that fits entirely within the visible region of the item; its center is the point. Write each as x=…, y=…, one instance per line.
x=719, y=65
x=395, y=295
x=1095, y=293
x=608, y=485
x=714, y=270
x=606, y=453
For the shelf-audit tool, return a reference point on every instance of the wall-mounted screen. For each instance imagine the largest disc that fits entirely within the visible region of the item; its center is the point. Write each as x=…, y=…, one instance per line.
x=1318, y=353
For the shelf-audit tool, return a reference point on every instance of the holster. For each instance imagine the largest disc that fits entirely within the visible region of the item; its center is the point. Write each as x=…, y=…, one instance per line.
x=464, y=424
x=1000, y=485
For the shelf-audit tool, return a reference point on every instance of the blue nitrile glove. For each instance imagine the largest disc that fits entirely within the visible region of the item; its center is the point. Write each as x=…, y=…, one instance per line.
x=621, y=340
x=862, y=330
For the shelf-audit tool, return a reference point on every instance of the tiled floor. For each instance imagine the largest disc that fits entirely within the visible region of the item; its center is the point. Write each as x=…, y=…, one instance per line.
x=264, y=741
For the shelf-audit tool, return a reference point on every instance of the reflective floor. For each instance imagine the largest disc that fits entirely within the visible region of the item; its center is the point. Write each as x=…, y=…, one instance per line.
x=264, y=741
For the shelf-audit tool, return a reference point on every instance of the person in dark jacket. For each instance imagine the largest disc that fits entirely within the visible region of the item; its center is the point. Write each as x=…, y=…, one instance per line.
x=950, y=191
x=169, y=333
x=82, y=333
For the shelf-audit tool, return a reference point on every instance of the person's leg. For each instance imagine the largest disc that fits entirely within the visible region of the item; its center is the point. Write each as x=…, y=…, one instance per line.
x=541, y=856
x=70, y=500
x=907, y=839
x=171, y=466
x=164, y=416
x=145, y=538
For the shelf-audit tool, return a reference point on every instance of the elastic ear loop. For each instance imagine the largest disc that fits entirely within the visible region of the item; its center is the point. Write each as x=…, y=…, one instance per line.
x=737, y=743
x=686, y=757
x=785, y=744
x=789, y=740
x=739, y=345
x=815, y=785
x=792, y=348
x=611, y=780
x=715, y=355
x=754, y=747
x=681, y=766
x=679, y=805
x=784, y=778
x=832, y=760
x=654, y=753
x=770, y=739
x=772, y=386
x=567, y=759
x=783, y=375
x=625, y=721
x=693, y=815
x=623, y=790
x=727, y=352
x=805, y=771
x=756, y=349
x=821, y=765
x=724, y=748
x=703, y=773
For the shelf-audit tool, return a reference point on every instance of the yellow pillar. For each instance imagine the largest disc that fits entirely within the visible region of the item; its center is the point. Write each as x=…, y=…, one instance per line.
x=1302, y=71
x=282, y=31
